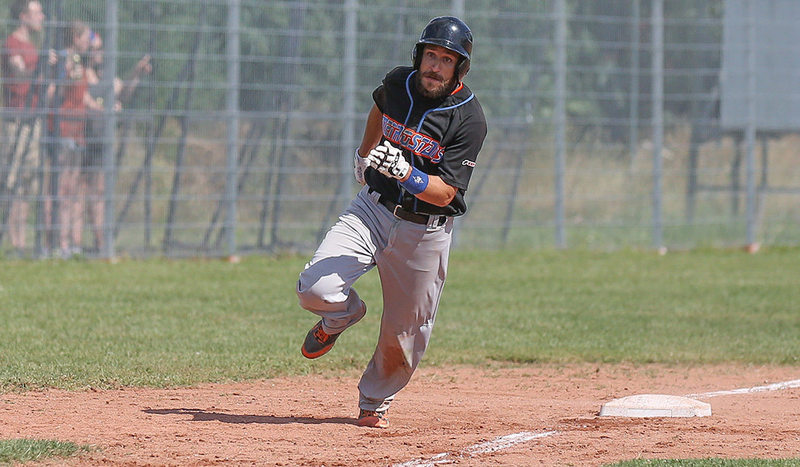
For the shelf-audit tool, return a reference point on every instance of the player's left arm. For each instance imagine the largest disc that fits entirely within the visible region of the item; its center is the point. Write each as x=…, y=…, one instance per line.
x=453, y=173
x=437, y=192
x=389, y=160
x=458, y=161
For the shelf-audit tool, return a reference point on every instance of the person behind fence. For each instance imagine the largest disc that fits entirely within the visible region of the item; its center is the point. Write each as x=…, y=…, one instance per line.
x=71, y=98
x=92, y=177
x=19, y=154
x=421, y=143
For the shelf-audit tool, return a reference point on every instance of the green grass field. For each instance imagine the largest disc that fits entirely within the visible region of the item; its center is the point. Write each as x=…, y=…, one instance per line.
x=78, y=324
x=28, y=450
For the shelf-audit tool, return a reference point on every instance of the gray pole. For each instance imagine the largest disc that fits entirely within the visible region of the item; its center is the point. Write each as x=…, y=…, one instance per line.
x=750, y=129
x=633, y=140
x=109, y=127
x=458, y=8
x=348, y=144
x=232, y=113
x=560, y=118
x=658, y=118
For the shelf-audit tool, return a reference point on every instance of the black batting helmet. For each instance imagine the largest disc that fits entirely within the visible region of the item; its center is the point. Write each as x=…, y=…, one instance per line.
x=448, y=32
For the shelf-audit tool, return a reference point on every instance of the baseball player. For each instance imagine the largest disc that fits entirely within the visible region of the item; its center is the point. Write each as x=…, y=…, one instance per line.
x=420, y=146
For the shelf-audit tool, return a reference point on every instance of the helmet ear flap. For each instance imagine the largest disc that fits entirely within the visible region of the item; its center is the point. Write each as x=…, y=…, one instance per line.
x=416, y=56
x=463, y=68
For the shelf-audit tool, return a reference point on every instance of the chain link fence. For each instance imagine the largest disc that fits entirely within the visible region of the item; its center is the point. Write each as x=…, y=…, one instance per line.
x=606, y=125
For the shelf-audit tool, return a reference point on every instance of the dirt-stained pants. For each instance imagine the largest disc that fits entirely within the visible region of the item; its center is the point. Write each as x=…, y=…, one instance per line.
x=412, y=263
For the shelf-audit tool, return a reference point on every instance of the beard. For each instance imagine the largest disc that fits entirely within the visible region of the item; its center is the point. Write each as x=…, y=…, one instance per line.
x=442, y=89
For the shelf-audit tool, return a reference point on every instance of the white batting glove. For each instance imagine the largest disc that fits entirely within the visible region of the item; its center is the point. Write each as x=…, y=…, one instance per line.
x=389, y=161
x=360, y=164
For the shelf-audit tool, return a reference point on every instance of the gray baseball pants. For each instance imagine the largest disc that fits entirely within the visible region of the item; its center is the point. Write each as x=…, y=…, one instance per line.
x=412, y=263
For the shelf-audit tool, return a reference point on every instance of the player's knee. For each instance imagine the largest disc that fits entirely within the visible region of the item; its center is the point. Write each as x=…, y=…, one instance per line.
x=312, y=295
x=304, y=295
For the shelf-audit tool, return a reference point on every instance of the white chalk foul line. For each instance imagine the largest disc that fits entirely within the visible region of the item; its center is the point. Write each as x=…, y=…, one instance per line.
x=769, y=387
x=497, y=444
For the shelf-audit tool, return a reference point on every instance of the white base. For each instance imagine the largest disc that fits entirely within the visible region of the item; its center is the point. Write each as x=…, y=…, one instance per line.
x=655, y=405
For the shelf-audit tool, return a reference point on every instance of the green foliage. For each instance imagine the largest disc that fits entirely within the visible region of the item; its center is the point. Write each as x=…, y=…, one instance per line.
x=285, y=44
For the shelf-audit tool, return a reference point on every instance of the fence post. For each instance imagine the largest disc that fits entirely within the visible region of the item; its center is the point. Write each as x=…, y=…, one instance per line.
x=232, y=111
x=458, y=8
x=658, y=118
x=633, y=137
x=110, y=127
x=560, y=118
x=349, y=105
x=750, y=128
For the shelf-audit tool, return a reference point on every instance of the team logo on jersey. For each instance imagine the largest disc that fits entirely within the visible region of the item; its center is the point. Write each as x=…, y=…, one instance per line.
x=417, y=143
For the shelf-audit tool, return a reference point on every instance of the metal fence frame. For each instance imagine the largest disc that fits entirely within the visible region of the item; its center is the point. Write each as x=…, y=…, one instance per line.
x=230, y=197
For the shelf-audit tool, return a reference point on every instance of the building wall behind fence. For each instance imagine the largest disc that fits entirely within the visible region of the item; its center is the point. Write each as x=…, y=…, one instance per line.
x=205, y=162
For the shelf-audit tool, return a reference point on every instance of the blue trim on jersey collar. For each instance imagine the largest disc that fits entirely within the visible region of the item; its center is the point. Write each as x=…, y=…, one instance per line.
x=421, y=120
x=411, y=107
x=410, y=97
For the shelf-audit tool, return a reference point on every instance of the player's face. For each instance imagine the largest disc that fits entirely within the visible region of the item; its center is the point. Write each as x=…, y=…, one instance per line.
x=437, y=71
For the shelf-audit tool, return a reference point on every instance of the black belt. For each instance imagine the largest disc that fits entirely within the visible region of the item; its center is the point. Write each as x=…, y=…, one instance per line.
x=400, y=213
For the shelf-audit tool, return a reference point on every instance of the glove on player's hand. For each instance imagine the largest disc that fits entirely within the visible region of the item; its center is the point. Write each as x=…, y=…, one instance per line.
x=389, y=161
x=360, y=164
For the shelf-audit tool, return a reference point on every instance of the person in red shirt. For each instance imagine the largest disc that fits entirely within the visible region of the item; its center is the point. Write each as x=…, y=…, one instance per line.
x=20, y=55
x=18, y=63
x=71, y=93
x=93, y=178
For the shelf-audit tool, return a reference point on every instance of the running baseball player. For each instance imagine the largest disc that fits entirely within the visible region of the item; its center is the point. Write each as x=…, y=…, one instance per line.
x=420, y=146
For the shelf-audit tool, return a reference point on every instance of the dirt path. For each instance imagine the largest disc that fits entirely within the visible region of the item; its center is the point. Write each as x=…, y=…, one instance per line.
x=444, y=415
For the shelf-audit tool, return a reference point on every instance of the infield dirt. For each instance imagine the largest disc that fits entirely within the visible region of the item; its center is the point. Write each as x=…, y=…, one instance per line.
x=444, y=412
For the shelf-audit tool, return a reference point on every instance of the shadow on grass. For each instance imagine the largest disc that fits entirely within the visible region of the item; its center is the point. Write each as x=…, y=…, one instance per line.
x=206, y=416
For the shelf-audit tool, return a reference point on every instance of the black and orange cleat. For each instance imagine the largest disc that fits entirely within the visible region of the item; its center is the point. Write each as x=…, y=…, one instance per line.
x=318, y=342
x=372, y=419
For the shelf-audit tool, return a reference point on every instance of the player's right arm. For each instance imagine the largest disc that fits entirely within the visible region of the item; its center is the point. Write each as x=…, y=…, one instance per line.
x=372, y=132
x=372, y=136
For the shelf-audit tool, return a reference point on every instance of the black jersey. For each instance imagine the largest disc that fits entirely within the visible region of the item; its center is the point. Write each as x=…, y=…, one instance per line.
x=438, y=136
